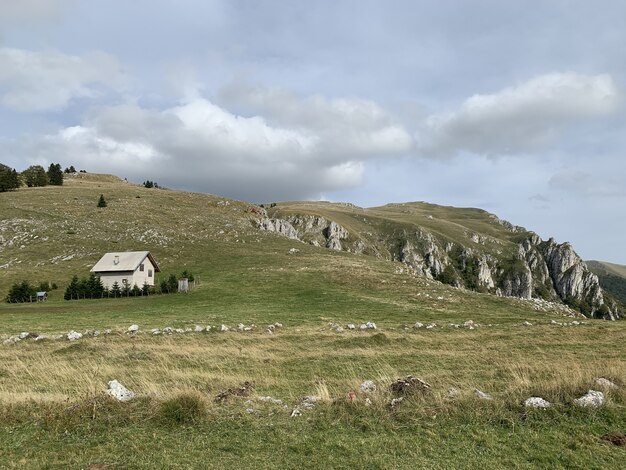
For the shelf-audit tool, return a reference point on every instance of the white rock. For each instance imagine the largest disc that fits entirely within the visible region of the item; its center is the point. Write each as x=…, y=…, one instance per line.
x=351, y=326
x=74, y=335
x=223, y=328
x=198, y=329
x=168, y=330
x=367, y=387
x=41, y=337
x=96, y=333
x=482, y=395
x=178, y=330
x=363, y=326
x=275, y=401
x=11, y=340
x=241, y=326
x=368, y=402
x=537, y=402
x=296, y=412
x=23, y=335
x=293, y=251
x=592, y=399
x=469, y=324
x=155, y=331
x=396, y=401
x=453, y=392
x=418, y=325
x=208, y=328
x=248, y=328
x=431, y=326
x=370, y=325
x=107, y=331
x=119, y=392
x=133, y=328
x=278, y=325
x=270, y=331
x=527, y=323
x=606, y=383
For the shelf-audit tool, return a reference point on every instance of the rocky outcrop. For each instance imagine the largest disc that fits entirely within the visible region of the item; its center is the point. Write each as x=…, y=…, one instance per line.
x=279, y=226
x=532, y=269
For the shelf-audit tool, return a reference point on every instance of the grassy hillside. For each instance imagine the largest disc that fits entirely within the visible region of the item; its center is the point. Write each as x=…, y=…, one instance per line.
x=52, y=392
x=612, y=278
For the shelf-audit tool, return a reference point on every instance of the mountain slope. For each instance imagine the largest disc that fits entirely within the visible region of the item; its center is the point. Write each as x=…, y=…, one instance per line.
x=51, y=233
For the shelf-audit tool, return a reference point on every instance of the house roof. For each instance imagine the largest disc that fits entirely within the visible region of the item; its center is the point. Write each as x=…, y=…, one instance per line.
x=124, y=261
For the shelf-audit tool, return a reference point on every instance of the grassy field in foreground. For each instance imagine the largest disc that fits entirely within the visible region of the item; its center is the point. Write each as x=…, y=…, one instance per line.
x=55, y=413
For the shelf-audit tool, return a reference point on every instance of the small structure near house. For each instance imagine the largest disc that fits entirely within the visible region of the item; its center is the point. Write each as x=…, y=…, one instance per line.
x=42, y=296
x=183, y=285
x=128, y=268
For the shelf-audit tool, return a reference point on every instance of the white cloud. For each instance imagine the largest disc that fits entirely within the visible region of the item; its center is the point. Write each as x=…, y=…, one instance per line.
x=202, y=146
x=49, y=80
x=521, y=118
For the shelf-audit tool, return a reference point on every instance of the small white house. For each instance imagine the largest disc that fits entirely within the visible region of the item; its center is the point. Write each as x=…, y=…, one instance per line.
x=129, y=268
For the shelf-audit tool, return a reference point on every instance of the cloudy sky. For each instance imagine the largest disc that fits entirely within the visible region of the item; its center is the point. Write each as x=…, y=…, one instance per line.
x=516, y=107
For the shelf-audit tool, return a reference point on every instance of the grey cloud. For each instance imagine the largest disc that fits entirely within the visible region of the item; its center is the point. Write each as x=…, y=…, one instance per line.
x=202, y=146
x=583, y=183
x=32, y=81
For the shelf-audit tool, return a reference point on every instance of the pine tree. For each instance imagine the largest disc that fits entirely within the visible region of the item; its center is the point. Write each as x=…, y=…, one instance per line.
x=101, y=201
x=72, y=290
x=115, y=290
x=55, y=175
x=9, y=179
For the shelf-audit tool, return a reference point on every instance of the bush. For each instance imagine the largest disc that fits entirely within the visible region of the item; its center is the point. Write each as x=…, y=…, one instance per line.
x=182, y=409
x=21, y=292
x=35, y=176
x=102, y=202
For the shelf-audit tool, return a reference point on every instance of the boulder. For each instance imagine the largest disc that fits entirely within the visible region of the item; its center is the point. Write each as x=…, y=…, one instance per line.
x=119, y=392
x=74, y=335
x=133, y=328
x=537, y=402
x=367, y=387
x=592, y=399
x=605, y=383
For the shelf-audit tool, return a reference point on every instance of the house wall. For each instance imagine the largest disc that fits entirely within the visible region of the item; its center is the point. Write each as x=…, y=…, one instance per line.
x=138, y=277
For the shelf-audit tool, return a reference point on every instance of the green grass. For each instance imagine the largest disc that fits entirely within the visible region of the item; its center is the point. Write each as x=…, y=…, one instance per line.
x=52, y=393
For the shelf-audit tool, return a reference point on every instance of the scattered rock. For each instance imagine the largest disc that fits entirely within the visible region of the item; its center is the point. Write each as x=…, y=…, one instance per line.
x=336, y=328
x=537, y=402
x=168, y=330
x=470, y=324
x=293, y=251
x=396, y=401
x=296, y=412
x=278, y=325
x=482, y=395
x=243, y=390
x=351, y=326
x=418, y=325
x=24, y=335
x=96, y=333
x=368, y=402
x=119, y=392
x=615, y=438
x=310, y=401
x=223, y=328
x=74, y=335
x=275, y=401
x=155, y=331
x=133, y=328
x=592, y=399
x=430, y=326
x=198, y=329
x=453, y=392
x=409, y=385
x=370, y=325
x=606, y=383
x=367, y=387
x=527, y=323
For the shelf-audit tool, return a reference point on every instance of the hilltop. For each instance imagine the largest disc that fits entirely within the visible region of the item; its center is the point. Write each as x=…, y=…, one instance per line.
x=612, y=278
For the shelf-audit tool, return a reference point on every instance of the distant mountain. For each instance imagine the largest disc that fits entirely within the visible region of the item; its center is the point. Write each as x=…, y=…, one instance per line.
x=612, y=278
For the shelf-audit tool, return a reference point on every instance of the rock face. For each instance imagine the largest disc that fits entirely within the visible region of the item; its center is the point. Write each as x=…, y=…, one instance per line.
x=518, y=264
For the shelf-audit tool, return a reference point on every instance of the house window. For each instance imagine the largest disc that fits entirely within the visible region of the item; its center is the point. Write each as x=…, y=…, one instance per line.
x=141, y=267
x=149, y=272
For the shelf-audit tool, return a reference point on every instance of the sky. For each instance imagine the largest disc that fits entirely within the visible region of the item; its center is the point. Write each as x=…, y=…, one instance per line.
x=515, y=107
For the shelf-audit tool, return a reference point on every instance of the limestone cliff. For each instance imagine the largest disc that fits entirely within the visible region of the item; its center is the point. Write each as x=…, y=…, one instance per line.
x=522, y=265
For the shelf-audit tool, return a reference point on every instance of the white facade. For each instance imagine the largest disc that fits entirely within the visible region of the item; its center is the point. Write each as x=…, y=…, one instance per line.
x=127, y=269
